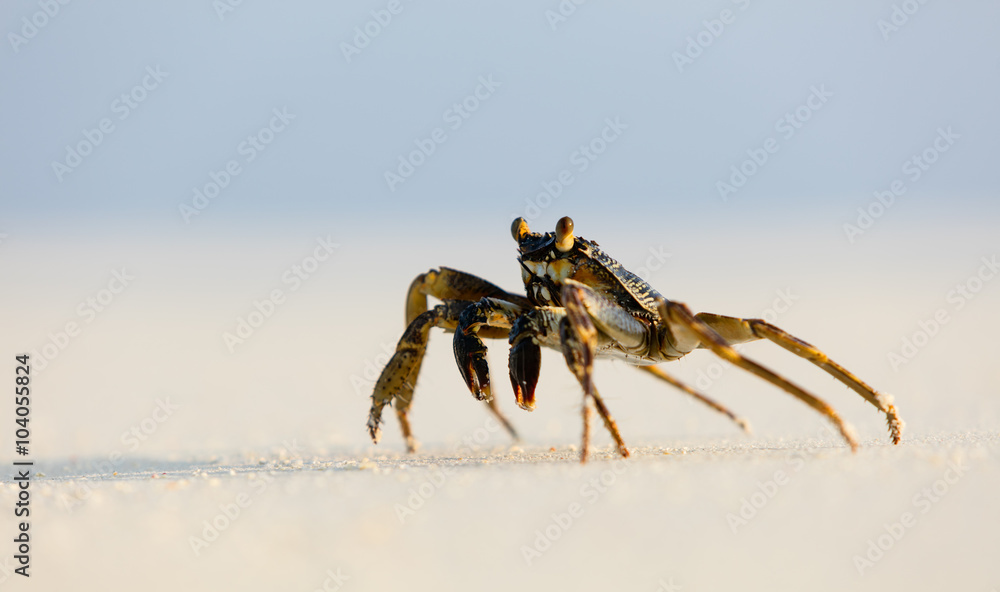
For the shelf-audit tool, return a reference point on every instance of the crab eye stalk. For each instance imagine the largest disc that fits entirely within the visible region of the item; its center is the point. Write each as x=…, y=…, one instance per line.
x=564, y=234
x=518, y=229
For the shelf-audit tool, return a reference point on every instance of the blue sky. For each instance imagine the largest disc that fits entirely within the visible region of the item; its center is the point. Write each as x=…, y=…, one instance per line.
x=223, y=76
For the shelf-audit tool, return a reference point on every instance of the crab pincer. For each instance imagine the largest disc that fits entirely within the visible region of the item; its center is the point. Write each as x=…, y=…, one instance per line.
x=525, y=364
x=470, y=353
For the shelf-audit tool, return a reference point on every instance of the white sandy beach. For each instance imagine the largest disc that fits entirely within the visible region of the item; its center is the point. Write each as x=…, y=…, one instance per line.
x=779, y=515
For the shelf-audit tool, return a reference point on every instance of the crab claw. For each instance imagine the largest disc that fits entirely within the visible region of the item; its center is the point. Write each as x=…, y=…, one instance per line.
x=525, y=365
x=470, y=354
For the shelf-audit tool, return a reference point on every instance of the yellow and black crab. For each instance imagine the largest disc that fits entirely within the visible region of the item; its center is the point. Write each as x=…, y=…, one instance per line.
x=585, y=304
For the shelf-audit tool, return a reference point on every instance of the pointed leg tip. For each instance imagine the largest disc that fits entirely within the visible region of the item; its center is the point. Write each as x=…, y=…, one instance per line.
x=896, y=425
x=853, y=443
x=744, y=425
x=374, y=424
x=847, y=431
x=896, y=432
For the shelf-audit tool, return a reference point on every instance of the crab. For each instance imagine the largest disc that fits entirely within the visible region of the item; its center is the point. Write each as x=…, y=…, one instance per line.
x=581, y=302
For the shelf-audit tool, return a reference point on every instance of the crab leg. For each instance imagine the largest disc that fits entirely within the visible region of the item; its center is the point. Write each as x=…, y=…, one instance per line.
x=688, y=329
x=736, y=330
x=579, y=337
x=609, y=423
x=743, y=423
x=400, y=374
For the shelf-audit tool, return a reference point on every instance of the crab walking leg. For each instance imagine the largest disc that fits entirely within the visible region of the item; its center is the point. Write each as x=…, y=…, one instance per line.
x=400, y=375
x=577, y=340
x=402, y=406
x=579, y=336
x=743, y=423
x=683, y=323
x=587, y=413
x=492, y=404
x=609, y=423
x=736, y=330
